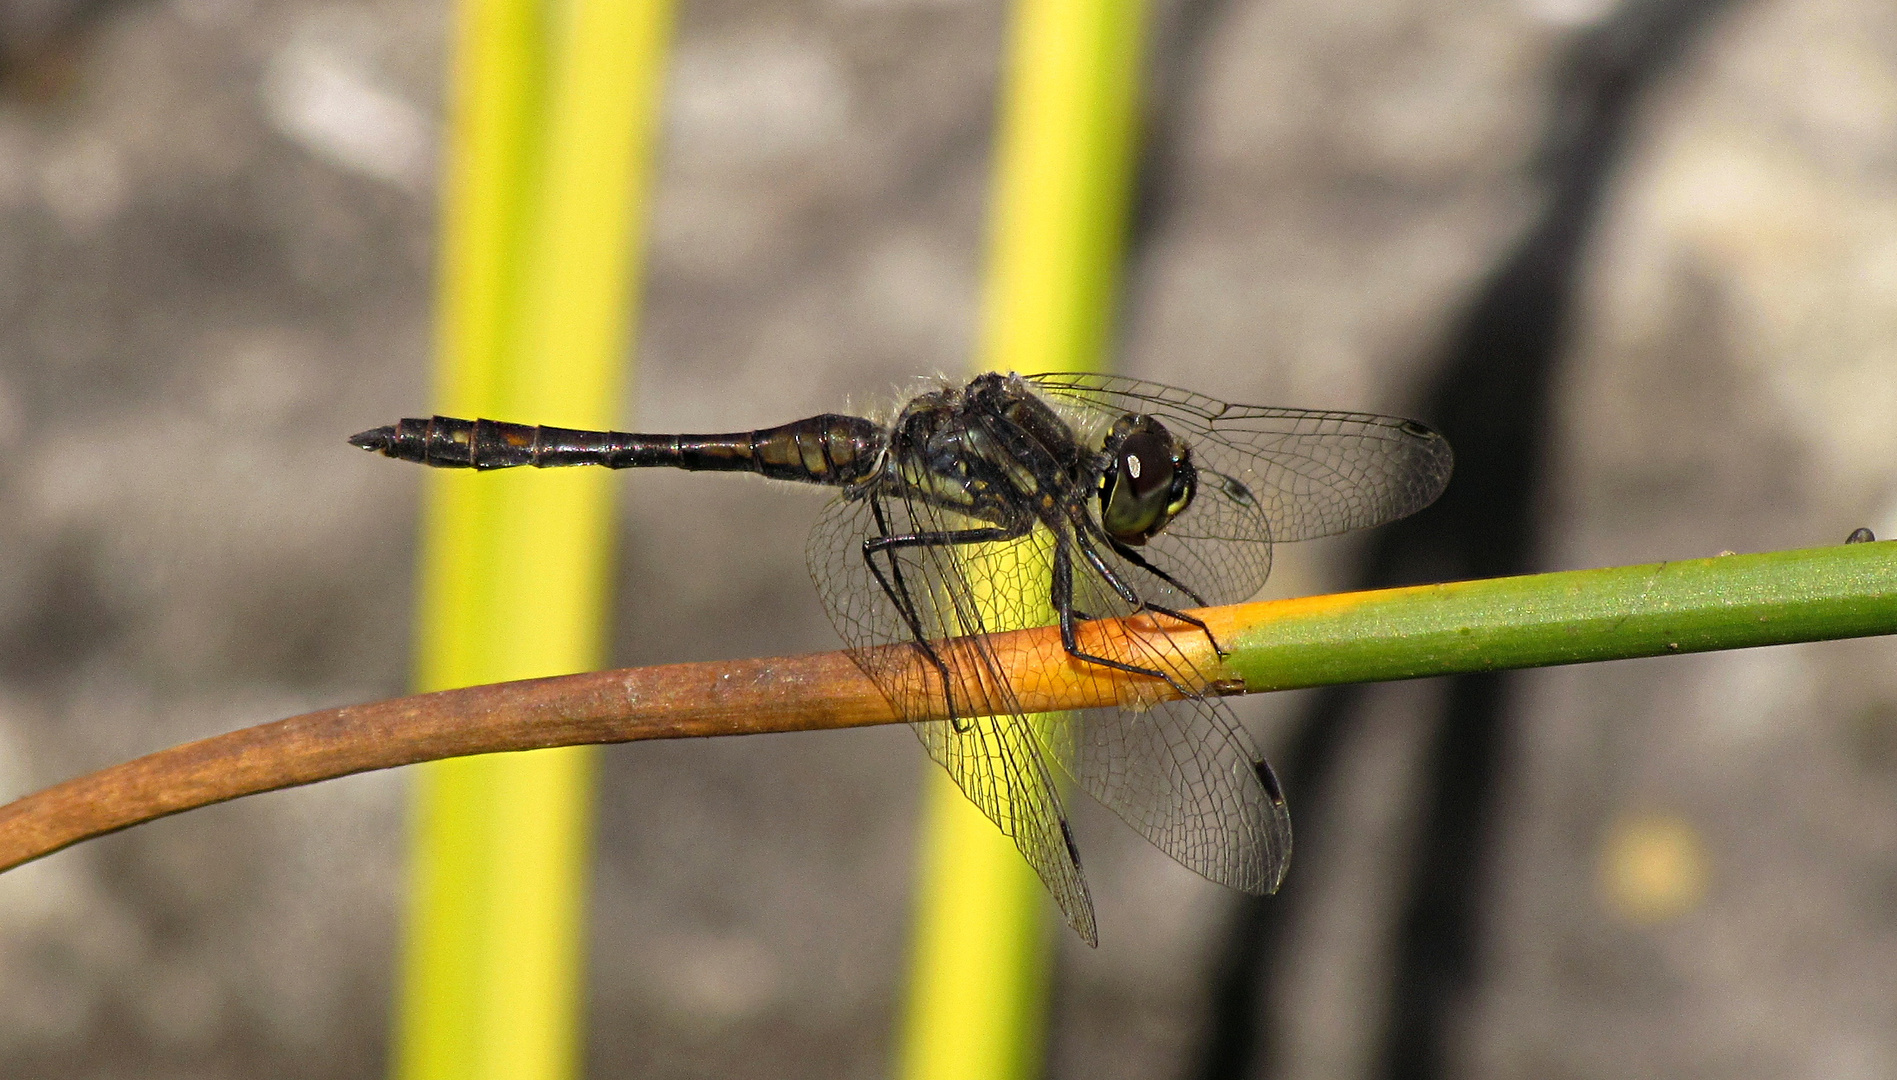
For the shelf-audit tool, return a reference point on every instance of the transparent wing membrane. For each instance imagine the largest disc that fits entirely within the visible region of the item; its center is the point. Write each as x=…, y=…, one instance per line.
x=1182, y=772
x=1309, y=473
x=944, y=594
x=1110, y=507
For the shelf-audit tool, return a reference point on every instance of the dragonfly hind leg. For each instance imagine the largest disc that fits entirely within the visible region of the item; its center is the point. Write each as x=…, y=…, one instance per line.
x=897, y=590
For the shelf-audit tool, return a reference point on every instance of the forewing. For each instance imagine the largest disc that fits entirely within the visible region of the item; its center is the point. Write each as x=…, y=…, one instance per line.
x=992, y=751
x=1184, y=773
x=1310, y=473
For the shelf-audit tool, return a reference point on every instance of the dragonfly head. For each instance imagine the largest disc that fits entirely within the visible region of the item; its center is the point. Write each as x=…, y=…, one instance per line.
x=1149, y=481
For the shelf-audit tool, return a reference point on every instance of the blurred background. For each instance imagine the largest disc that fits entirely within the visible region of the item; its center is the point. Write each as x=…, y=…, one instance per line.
x=1638, y=259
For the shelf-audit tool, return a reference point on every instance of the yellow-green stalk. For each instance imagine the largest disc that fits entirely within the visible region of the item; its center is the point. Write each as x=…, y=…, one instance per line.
x=1063, y=177
x=543, y=197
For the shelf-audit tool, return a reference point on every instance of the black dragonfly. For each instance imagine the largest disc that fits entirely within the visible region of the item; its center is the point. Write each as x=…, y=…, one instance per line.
x=1017, y=501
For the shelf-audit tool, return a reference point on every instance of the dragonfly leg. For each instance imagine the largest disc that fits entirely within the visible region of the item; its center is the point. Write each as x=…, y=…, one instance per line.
x=1189, y=621
x=1062, y=595
x=898, y=594
x=897, y=590
x=1132, y=596
x=1126, y=552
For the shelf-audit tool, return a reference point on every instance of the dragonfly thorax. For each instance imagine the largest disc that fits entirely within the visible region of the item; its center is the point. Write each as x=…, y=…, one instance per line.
x=992, y=450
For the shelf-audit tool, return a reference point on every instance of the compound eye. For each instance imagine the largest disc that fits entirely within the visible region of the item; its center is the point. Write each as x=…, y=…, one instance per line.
x=1142, y=492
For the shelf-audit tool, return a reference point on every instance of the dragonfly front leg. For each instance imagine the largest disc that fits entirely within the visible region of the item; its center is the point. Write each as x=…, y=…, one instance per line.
x=1126, y=552
x=897, y=590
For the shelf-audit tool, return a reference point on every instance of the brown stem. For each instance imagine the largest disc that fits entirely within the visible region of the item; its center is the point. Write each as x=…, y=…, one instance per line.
x=676, y=701
x=731, y=697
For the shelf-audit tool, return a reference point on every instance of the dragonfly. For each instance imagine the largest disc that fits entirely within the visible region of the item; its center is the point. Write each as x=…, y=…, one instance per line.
x=1101, y=505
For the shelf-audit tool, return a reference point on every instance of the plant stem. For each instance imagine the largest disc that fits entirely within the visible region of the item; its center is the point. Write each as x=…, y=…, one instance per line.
x=1698, y=605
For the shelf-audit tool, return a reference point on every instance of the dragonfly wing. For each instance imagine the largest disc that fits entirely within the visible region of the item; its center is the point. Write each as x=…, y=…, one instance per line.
x=1185, y=776
x=1183, y=773
x=1310, y=473
x=943, y=594
x=997, y=763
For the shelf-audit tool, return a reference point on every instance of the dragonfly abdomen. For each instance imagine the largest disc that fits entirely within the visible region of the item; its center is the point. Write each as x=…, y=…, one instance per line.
x=827, y=449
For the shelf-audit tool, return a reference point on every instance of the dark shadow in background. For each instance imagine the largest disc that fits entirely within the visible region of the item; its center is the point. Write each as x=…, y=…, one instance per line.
x=43, y=43
x=1492, y=397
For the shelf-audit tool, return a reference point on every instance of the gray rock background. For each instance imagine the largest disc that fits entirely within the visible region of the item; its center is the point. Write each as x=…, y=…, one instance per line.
x=216, y=227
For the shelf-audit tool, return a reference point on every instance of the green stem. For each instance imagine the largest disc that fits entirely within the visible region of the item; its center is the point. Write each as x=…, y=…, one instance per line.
x=1578, y=616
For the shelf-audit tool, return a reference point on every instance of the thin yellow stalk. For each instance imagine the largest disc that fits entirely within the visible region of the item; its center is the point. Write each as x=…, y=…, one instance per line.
x=978, y=981
x=544, y=193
